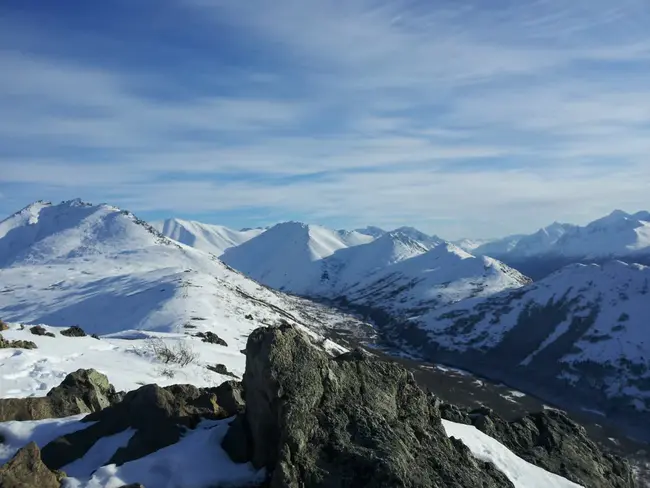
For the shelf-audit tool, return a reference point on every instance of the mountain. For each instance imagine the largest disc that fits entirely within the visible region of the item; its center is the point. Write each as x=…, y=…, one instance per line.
x=469, y=245
x=371, y=231
x=578, y=337
x=106, y=270
x=214, y=239
x=283, y=257
x=403, y=271
x=428, y=280
x=498, y=247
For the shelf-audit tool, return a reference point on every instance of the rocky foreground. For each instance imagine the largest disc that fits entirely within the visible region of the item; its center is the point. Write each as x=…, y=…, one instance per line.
x=311, y=421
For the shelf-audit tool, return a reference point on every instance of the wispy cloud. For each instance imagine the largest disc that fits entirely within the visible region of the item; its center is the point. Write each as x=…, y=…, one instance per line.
x=462, y=119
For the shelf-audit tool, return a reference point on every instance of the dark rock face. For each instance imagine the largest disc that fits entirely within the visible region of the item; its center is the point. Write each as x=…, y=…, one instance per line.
x=552, y=441
x=83, y=391
x=26, y=470
x=74, y=331
x=40, y=331
x=5, y=344
x=211, y=338
x=344, y=422
x=159, y=416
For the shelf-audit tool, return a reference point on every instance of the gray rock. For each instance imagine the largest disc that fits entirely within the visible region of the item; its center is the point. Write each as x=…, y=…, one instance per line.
x=551, y=440
x=83, y=391
x=350, y=421
x=159, y=416
x=221, y=369
x=26, y=470
x=74, y=331
x=3, y=326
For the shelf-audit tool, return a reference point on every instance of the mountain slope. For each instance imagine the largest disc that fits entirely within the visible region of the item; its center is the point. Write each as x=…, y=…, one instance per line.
x=580, y=335
x=214, y=239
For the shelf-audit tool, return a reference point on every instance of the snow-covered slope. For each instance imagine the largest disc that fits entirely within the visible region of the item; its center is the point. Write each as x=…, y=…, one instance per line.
x=372, y=231
x=585, y=326
x=498, y=247
x=214, y=239
x=469, y=245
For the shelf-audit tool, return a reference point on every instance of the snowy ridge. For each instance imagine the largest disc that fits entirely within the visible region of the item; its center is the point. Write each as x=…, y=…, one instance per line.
x=583, y=324
x=213, y=239
x=618, y=234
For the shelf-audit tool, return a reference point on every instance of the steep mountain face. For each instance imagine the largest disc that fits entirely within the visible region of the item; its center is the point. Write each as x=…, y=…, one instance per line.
x=498, y=247
x=580, y=335
x=214, y=239
x=104, y=269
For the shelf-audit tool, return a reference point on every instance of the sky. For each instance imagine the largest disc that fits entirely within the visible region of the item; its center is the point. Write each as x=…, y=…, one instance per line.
x=473, y=118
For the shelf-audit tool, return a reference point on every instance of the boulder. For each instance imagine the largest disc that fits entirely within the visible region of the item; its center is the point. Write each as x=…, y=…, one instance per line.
x=74, y=331
x=40, y=331
x=211, y=338
x=349, y=421
x=158, y=415
x=221, y=369
x=6, y=344
x=552, y=441
x=83, y=391
x=26, y=470
x=3, y=326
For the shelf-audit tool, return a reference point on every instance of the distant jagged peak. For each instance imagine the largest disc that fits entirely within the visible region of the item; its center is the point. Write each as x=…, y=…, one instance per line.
x=372, y=231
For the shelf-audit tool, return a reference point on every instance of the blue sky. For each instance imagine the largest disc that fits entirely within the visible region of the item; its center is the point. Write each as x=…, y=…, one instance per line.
x=474, y=118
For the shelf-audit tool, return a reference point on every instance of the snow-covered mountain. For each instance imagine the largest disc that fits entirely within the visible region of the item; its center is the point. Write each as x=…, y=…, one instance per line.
x=104, y=269
x=402, y=271
x=616, y=235
x=214, y=239
x=372, y=231
x=425, y=281
x=469, y=245
x=581, y=333
x=284, y=256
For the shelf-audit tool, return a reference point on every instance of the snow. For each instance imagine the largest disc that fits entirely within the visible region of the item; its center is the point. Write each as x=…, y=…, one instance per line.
x=214, y=239
x=521, y=473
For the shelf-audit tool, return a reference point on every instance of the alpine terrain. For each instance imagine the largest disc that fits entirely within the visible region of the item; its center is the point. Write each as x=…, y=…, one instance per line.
x=130, y=358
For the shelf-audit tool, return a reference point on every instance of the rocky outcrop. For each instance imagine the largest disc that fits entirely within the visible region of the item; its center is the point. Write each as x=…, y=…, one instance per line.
x=550, y=440
x=6, y=344
x=221, y=369
x=3, y=326
x=26, y=470
x=40, y=331
x=74, y=331
x=344, y=422
x=158, y=415
x=83, y=391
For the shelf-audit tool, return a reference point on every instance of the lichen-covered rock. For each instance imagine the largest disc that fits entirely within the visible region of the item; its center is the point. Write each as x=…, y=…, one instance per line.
x=74, y=331
x=345, y=422
x=550, y=440
x=83, y=391
x=158, y=415
x=26, y=470
x=3, y=326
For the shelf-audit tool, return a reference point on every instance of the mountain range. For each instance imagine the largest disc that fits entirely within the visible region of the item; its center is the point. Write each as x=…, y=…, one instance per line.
x=577, y=337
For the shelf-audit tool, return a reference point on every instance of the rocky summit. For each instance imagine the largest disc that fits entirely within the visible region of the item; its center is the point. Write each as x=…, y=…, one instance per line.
x=349, y=421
